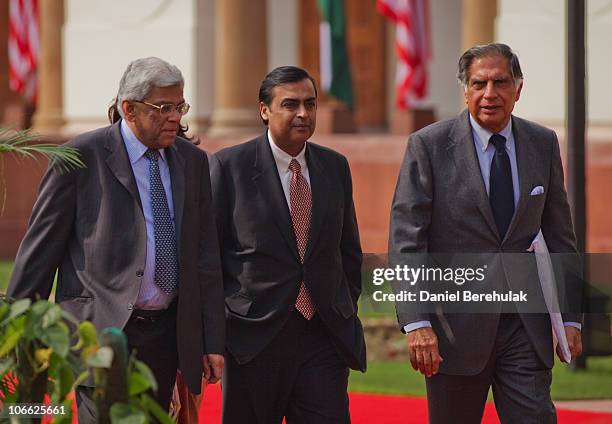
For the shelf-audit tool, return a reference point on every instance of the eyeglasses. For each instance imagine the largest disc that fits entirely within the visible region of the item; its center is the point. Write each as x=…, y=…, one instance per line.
x=168, y=108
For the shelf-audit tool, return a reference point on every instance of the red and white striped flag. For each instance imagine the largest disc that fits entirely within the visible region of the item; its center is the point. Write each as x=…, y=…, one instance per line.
x=411, y=18
x=23, y=47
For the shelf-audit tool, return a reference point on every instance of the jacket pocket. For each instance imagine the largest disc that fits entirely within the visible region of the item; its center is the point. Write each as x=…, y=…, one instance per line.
x=343, y=303
x=76, y=299
x=239, y=303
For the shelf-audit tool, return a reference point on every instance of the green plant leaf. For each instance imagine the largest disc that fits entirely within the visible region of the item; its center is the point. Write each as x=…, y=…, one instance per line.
x=58, y=337
x=39, y=308
x=157, y=411
x=102, y=358
x=17, y=308
x=24, y=143
x=137, y=383
x=51, y=316
x=143, y=369
x=81, y=378
x=65, y=380
x=124, y=413
x=36, y=312
x=4, y=310
x=87, y=336
x=67, y=417
x=62, y=419
x=12, y=335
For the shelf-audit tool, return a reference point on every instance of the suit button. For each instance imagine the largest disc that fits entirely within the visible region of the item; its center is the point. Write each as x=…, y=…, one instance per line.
x=139, y=273
x=130, y=306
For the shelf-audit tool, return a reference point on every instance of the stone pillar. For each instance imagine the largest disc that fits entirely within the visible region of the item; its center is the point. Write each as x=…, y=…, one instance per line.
x=49, y=110
x=240, y=65
x=478, y=22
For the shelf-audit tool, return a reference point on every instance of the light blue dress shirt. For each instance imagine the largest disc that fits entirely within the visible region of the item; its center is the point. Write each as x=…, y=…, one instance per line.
x=485, y=152
x=150, y=295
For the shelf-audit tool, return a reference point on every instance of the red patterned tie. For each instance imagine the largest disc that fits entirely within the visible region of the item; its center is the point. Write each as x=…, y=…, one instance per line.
x=301, y=205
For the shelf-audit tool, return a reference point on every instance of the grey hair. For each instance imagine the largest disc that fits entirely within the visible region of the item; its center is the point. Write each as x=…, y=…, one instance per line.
x=487, y=50
x=142, y=75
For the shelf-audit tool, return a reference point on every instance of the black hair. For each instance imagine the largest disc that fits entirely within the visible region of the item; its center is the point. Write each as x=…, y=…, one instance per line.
x=279, y=76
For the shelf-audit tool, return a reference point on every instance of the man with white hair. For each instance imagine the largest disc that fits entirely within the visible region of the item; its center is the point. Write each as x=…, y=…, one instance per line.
x=133, y=237
x=485, y=181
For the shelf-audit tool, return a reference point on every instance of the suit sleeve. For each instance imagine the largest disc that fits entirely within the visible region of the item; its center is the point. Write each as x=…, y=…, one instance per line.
x=350, y=246
x=46, y=239
x=558, y=232
x=219, y=195
x=410, y=220
x=209, y=270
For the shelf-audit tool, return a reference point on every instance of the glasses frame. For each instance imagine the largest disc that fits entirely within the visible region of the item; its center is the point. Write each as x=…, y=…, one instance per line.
x=174, y=108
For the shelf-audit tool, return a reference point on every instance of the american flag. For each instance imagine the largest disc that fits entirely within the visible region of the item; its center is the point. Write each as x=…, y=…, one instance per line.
x=23, y=47
x=411, y=18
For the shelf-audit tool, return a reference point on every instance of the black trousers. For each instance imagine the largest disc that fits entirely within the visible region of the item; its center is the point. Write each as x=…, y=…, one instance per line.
x=299, y=376
x=153, y=335
x=520, y=382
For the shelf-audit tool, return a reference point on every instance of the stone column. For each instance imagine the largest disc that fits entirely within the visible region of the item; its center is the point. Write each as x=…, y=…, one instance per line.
x=241, y=62
x=49, y=110
x=478, y=22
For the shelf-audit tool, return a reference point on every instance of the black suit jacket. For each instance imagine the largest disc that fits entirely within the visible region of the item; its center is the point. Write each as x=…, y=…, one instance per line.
x=261, y=267
x=441, y=206
x=89, y=224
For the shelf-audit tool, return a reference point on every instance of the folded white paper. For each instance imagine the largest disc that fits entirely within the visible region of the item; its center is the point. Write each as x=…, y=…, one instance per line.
x=549, y=289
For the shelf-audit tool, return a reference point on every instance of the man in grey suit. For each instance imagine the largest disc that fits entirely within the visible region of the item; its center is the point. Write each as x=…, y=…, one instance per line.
x=466, y=185
x=291, y=265
x=133, y=238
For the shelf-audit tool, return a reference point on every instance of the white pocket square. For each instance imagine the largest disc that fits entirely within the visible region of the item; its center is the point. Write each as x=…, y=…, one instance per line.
x=537, y=190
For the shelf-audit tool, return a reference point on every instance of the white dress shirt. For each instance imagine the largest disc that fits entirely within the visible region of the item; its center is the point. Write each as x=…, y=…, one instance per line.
x=282, y=160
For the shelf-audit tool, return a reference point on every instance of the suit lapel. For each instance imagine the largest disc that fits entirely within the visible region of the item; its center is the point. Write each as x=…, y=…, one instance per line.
x=319, y=187
x=119, y=162
x=463, y=151
x=526, y=163
x=265, y=177
x=176, y=163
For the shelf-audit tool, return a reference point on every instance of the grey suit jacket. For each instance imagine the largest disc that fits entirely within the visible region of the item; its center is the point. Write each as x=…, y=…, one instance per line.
x=441, y=205
x=261, y=266
x=88, y=224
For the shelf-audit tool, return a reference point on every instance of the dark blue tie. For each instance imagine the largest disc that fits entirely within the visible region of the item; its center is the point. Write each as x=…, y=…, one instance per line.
x=501, y=193
x=166, y=266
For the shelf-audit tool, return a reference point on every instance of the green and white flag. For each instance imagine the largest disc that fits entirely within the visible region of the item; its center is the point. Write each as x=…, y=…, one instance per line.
x=335, y=68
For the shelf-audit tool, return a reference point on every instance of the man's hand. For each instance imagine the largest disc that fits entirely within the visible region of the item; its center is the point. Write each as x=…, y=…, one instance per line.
x=213, y=367
x=423, y=350
x=574, y=340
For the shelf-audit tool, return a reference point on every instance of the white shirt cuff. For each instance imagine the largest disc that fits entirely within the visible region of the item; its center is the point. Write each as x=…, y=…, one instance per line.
x=416, y=325
x=573, y=324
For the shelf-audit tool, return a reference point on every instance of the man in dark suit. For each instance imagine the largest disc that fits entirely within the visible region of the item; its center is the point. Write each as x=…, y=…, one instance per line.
x=133, y=237
x=291, y=262
x=483, y=182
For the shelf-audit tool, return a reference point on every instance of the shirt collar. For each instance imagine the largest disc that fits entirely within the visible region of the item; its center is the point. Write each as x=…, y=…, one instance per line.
x=482, y=135
x=283, y=158
x=135, y=148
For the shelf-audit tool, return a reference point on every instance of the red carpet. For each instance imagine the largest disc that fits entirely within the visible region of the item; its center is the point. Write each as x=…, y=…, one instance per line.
x=369, y=409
